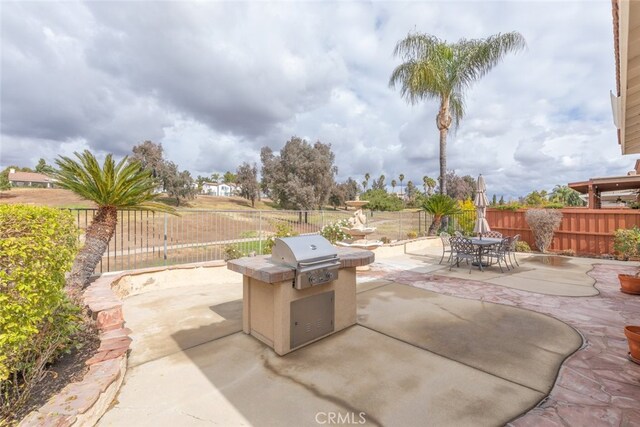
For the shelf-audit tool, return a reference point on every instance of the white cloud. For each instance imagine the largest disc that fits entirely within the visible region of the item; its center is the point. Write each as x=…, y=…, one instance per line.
x=215, y=81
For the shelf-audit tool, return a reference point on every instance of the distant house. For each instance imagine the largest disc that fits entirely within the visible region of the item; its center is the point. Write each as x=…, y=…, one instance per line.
x=29, y=179
x=214, y=189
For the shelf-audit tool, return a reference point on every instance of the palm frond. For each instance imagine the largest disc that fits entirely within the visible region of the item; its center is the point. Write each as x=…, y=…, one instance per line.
x=121, y=185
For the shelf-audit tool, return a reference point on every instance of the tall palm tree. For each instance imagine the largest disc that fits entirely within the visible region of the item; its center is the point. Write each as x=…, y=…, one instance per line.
x=429, y=184
x=393, y=185
x=366, y=181
x=401, y=178
x=435, y=69
x=113, y=186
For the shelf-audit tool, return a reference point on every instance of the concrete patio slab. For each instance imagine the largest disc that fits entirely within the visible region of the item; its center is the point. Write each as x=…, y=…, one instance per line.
x=521, y=346
x=547, y=287
x=156, y=316
x=576, y=276
x=238, y=381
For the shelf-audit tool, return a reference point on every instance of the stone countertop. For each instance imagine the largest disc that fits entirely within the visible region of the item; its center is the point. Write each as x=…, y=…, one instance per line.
x=262, y=268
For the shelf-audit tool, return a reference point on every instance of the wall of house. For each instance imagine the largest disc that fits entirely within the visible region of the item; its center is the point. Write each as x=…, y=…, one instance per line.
x=585, y=231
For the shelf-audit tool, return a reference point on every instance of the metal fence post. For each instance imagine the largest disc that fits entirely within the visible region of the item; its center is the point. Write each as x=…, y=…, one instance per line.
x=260, y=232
x=165, y=238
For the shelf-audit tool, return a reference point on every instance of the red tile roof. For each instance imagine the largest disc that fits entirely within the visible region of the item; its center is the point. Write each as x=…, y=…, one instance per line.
x=29, y=177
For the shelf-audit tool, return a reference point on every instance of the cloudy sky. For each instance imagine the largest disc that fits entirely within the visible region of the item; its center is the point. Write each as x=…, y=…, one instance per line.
x=216, y=81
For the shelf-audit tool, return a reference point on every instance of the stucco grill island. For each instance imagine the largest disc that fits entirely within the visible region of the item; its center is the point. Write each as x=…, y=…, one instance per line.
x=304, y=291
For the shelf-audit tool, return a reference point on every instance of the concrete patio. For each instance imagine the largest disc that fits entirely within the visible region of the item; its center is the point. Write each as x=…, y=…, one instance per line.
x=431, y=347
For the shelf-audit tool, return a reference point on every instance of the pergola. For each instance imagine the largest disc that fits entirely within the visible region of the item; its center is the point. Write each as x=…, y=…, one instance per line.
x=596, y=186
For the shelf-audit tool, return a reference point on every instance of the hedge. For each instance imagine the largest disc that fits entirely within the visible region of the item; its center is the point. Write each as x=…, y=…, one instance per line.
x=37, y=247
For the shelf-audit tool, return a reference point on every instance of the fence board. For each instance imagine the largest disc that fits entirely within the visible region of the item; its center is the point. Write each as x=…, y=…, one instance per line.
x=585, y=231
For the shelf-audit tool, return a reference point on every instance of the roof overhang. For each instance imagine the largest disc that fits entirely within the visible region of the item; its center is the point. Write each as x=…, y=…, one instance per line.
x=626, y=103
x=613, y=183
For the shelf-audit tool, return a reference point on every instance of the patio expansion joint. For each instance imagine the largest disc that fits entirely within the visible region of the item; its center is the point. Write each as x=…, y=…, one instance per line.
x=455, y=361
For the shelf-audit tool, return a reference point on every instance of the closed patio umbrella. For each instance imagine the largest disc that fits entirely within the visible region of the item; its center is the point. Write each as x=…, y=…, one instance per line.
x=481, y=202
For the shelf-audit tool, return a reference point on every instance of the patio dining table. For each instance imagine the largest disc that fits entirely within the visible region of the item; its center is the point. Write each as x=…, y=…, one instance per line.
x=482, y=244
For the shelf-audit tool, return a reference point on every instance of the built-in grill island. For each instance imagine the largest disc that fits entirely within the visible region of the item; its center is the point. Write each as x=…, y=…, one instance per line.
x=303, y=292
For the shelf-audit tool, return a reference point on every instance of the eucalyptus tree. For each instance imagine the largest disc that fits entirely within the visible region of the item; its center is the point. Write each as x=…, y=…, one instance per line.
x=431, y=68
x=111, y=186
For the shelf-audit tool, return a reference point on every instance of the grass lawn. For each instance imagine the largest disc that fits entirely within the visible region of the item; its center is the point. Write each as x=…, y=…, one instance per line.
x=59, y=198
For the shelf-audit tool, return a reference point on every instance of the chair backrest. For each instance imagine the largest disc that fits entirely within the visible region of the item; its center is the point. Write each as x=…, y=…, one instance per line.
x=462, y=245
x=505, y=244
x=493, y=234
x=514, y=240
x=446, y=239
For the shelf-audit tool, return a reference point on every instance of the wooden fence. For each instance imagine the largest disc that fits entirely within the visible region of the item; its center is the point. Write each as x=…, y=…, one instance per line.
x=585, y=231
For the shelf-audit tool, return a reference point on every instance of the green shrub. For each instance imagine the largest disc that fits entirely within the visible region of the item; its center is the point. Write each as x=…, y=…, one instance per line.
x=283, y=229
x=385, y=239
x=412, y=234
x=522, y=246
x=37, y=321
x=333, y=231
x=626, y=242
x=232, y=252
x=511, y=206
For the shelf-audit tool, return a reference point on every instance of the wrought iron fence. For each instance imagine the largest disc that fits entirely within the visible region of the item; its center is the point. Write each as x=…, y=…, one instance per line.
x=148, y=239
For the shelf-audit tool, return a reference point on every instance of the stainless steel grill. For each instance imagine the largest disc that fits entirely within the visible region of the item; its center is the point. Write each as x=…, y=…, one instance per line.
x=315, y=260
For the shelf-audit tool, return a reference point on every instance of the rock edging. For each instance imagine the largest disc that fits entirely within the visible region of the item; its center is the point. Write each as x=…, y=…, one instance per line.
x=83, y=403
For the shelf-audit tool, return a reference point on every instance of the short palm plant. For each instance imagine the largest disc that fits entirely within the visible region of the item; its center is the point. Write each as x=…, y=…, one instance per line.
x=440, y=205
x=113, y=186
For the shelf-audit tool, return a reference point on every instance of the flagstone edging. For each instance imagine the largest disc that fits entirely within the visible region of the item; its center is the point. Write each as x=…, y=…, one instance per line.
x=82, y=403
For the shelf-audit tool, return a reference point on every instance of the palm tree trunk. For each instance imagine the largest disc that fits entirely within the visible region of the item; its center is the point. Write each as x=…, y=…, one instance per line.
x=435, y=226
x=96, y=242
x=443, y=160
x=443, y=120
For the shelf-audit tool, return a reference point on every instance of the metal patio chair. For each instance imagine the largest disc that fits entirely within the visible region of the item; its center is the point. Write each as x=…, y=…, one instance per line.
x=463, y=249
x=499, y=253
x=493, y=234
x=446, y=246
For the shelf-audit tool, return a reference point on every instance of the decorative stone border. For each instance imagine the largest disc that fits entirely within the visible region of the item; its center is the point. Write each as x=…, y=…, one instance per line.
x=83, y=403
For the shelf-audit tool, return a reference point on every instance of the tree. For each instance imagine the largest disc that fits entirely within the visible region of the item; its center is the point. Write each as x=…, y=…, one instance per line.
x=429, y=184
x=229, y=178
x=200, y=180
x=379, y=184
x=44, y=168
x=460, y=187
x=536, y=198
x=113, y=186
x=178, y=184
x=5, y=185
x=380, y=200
x=439, y=205
x=494, y=200
x=566, y=195
x=247, y=179
x=301, y=177
x=337, y=196
x=150, y=157
x=365, y=184
x=215, y=178
x=393, y=185
x=411, y=190
x=351, y=189
x=401, y=178
x=501, y=201
x=435, y=69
